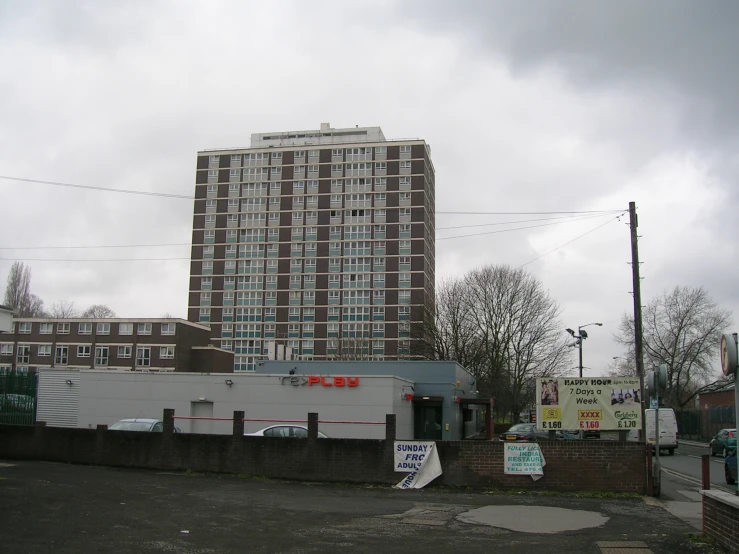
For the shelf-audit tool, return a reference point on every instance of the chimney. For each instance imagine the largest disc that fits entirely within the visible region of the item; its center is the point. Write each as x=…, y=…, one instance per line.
x=325, y=126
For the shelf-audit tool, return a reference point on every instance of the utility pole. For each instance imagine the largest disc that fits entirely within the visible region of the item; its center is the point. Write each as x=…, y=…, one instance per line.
x=638, y=329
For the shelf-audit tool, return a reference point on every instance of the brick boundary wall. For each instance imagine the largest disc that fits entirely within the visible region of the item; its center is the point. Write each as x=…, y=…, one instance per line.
x=570, y=465
x=721, y=519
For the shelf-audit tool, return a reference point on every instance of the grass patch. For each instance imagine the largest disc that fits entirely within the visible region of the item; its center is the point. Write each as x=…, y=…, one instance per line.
x=704, y=542
x=254, y=477
x=564, y=494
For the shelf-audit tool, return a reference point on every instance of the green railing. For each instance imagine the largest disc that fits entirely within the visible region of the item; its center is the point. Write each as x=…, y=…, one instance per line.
x=18, y=398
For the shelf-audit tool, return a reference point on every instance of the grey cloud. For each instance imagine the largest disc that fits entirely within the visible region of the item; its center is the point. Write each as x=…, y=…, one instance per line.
x=680, y=47
x=567, y=107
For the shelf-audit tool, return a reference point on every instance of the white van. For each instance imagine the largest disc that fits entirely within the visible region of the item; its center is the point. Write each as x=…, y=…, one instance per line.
x=667, y=428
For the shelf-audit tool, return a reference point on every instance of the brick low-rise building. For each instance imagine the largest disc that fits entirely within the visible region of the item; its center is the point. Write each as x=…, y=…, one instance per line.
x=116, y=344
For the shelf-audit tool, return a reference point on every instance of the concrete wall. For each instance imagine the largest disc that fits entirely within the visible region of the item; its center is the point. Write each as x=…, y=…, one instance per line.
x=428, y=379
x=571, y=465
x=104, y=397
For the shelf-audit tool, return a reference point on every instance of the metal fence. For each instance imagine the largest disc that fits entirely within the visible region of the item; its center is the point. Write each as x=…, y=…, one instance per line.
x=18, y=398
x=690, y=425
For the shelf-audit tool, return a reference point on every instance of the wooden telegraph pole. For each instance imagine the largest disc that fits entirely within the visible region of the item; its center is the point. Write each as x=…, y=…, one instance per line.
x=638, y=329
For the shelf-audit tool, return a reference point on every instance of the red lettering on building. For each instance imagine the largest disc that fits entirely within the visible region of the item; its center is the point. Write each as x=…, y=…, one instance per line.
x=311, y=380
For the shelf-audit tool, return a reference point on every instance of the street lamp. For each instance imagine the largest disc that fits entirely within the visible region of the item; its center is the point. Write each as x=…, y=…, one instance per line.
x=579, y=337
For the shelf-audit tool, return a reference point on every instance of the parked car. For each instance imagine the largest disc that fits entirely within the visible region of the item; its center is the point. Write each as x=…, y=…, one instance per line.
x=284, y=431
x=524, y=432
x=724, y=441
x=21, y=402
x=574, y=435
x=730, y=467
x=141, y=424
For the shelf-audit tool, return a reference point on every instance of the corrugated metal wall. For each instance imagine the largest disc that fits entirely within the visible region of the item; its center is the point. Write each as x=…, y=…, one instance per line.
x=58, y=400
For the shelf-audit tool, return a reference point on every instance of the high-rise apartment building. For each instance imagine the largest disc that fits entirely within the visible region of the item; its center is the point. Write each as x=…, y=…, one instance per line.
x=322, y=241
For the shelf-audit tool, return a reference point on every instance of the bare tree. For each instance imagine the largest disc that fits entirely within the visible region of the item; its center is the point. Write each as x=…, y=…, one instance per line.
x=682, y=328
x=98, y=311
x=63, y=310
x=18, y=292
x=504, y=327
x=623, y=367
x=518, y=324
x=450, y=333
x=350, y=348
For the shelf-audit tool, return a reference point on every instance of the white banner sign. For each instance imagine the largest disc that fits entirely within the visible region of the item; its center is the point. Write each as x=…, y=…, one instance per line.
x=421, y=459
x=524, y=459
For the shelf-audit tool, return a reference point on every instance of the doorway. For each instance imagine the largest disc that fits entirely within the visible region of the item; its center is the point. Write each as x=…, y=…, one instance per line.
x=201, y=409
x=427, y=422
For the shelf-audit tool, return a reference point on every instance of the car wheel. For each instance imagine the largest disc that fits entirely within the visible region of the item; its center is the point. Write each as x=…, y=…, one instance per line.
x=727, y=474
x=671, y=451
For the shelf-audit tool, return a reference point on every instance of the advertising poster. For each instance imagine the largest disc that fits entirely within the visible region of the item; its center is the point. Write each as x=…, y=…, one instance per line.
x=420, y=459
x=524, y=459
x=594, y=404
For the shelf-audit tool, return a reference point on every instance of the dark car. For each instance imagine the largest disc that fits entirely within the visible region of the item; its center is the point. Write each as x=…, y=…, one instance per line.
x=730, y=467
x=523, y=432
x=574, y=435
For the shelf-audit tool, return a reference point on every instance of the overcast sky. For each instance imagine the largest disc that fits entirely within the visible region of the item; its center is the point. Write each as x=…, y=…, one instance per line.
x=527, y=106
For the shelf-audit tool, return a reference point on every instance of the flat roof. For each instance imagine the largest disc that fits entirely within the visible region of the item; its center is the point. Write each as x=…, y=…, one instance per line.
x=177, y=320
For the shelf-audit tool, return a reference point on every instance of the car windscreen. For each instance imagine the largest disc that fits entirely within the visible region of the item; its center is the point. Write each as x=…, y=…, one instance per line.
x=130, y=426
x=521, y=428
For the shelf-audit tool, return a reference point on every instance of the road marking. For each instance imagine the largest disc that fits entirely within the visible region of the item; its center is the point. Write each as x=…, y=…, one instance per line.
x=699, y=457
x=694, y=480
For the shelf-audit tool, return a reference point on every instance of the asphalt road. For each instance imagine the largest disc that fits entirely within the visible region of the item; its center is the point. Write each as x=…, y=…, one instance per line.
x=64, y=508
x=685, y=465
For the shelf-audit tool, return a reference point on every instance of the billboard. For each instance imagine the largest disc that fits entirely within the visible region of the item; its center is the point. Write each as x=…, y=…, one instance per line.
x=593, y=404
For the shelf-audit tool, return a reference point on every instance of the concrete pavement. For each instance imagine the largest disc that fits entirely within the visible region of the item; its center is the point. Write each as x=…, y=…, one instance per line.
x=69, y=509
x=681, y=481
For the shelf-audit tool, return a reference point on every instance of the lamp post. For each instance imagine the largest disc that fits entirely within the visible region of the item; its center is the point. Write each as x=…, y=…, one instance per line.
x=581, y=336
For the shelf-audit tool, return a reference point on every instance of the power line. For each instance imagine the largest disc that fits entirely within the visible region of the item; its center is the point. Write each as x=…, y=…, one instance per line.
x=92, y=247
x=105, y=189
x=186, y=197
x=506, y=222
x=188, y=258
x=604, y=212
x=92, y=260
x=521, y=228
x=571, y=241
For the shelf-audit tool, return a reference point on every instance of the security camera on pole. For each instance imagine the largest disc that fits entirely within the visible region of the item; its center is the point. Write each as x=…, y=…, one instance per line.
x=657, y=381
x=729, y=362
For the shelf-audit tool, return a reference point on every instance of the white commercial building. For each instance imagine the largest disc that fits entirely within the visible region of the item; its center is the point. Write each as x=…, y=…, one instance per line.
x=89, y=398
x=430, y=400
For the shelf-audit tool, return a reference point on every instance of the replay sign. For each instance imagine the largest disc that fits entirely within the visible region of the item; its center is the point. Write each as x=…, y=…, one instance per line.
x=310, y=380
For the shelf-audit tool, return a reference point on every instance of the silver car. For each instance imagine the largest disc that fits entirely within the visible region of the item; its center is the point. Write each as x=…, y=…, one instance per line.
x=141, y=424
x=284, y=431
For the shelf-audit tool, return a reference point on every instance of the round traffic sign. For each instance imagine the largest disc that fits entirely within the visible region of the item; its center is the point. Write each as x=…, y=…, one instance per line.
x=728, y=354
